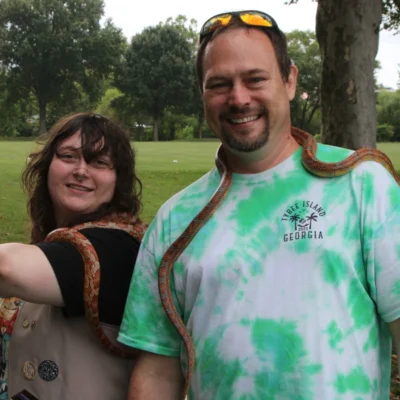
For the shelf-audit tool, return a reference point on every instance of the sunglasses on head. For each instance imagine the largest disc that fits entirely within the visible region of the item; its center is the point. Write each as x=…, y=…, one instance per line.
x=249, y=17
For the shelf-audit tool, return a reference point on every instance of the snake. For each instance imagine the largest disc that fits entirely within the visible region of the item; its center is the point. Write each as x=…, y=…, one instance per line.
x=123, y=221
x=310, y=163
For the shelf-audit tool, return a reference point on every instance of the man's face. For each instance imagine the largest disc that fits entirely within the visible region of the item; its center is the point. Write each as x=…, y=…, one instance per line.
x=246, y=101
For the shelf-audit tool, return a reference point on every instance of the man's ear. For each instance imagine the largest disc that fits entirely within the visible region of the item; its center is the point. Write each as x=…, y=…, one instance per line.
x=292, y=82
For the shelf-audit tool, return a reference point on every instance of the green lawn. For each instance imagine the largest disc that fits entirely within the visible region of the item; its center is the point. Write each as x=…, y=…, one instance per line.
x=161, y=176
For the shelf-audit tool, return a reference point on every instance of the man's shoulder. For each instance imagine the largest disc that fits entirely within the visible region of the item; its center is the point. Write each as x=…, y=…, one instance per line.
x=331, y=154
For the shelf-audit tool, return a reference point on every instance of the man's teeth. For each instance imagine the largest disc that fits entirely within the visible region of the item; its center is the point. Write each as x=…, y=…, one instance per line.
x=79, y=188
x=243, y=120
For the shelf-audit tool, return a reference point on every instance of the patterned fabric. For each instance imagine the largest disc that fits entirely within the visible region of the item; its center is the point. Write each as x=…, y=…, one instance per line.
x=9, y=309
x=285, y=290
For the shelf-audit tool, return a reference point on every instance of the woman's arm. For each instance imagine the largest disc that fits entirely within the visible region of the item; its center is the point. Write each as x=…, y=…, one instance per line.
x=25, y=272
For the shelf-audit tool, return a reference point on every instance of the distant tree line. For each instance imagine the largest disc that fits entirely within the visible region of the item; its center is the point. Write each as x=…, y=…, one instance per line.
x=57, y=58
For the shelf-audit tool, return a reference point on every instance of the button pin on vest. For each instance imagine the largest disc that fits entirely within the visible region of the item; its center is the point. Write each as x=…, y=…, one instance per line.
x=26, y=323
x=28, y=370
x=48, y=370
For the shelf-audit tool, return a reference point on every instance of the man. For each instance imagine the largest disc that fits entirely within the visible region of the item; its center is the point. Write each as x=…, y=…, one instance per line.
x=289, y=288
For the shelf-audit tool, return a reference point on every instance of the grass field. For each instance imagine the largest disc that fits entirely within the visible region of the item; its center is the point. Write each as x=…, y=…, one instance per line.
x=161, y=176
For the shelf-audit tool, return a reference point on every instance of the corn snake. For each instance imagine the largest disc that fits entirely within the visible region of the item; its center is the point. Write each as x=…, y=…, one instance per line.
x=134, y=227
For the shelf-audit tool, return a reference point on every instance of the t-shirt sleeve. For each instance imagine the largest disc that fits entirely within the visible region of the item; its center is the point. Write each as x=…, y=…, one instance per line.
x=117, y=252
x=381, y=227
x=145, y=324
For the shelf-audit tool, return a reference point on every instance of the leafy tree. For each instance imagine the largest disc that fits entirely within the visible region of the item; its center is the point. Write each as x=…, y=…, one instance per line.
x=55, y=49
x=391, y=14
x=388, y=112
x=105, y=107
x=304, y=51
x=16, y=116
x=348, y=34
x=187, y=28
x=189, y=31
x=156, y=72
x=384, y=133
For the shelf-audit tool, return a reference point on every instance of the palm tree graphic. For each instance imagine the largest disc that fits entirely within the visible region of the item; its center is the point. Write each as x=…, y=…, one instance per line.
x=311, y=218
x=294, y=218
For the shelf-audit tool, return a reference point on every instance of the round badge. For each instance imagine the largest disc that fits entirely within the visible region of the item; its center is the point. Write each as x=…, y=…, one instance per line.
x=48, y=370
x=28, y=370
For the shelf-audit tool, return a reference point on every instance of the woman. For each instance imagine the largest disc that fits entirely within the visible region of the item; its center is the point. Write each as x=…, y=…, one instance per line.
x=83, y=174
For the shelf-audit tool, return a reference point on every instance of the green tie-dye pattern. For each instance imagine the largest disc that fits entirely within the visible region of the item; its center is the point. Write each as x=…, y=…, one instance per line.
x=332, y=154
x=235, y=275
x=211, y=358
x=218, y=310
x=336, y=336
x=373, y=339
x=302, y=246
x=282, y=350
x=334, y=268
x=396, y=288
x=189, y=205
x=149, y=232
x=240, y=295
x=369, y=189
x=203, y=239
x=138, y=317
x=356, y=381
x=394, y=195
x=331, y=231
x=360, y=305
x=265, y=201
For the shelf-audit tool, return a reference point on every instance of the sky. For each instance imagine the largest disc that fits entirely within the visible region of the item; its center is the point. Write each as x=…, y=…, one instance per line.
x=132, y=17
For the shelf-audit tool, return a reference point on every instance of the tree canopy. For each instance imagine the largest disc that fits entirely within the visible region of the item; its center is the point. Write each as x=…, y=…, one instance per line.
x=54, y=48
x=304, y=52
x=157, y=72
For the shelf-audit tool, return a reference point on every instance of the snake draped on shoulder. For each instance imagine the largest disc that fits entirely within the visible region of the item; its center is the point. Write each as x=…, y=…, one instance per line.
x=134, y=227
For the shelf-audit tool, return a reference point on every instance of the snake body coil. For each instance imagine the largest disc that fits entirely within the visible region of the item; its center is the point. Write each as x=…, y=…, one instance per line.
x=129, y=224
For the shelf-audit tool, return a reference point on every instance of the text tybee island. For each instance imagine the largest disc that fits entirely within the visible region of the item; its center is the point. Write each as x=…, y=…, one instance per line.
x=303, y=218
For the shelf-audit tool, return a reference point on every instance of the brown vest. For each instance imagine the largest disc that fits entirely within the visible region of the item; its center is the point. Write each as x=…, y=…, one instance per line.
x=56, y=358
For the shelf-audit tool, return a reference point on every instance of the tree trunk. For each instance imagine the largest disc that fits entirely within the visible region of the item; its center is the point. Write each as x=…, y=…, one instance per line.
x=42, y=116
x=155, y=128
x=348, y=34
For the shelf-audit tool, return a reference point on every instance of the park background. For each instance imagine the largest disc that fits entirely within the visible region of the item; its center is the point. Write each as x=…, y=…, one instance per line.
x=134, y=63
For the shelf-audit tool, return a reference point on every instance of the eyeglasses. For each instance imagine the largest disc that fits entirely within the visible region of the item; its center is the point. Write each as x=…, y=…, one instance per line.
x=249, y=17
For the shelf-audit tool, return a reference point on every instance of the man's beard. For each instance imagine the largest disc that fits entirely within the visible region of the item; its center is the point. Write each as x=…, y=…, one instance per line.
x=240, y=142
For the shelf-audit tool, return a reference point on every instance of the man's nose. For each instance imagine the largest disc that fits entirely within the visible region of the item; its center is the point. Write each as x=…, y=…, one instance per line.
x=239, y=96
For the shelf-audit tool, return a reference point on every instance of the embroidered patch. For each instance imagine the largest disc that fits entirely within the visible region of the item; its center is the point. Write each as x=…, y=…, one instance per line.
x=48, y=370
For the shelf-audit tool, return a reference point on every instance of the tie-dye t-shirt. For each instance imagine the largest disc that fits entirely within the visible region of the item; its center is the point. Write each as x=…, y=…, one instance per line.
x=286, y=290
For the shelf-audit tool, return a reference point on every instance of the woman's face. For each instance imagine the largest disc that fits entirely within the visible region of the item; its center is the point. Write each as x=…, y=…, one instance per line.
x=77, y=187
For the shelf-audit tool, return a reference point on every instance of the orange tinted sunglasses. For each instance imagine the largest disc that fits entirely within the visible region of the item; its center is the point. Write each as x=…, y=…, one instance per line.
x=249, y=17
